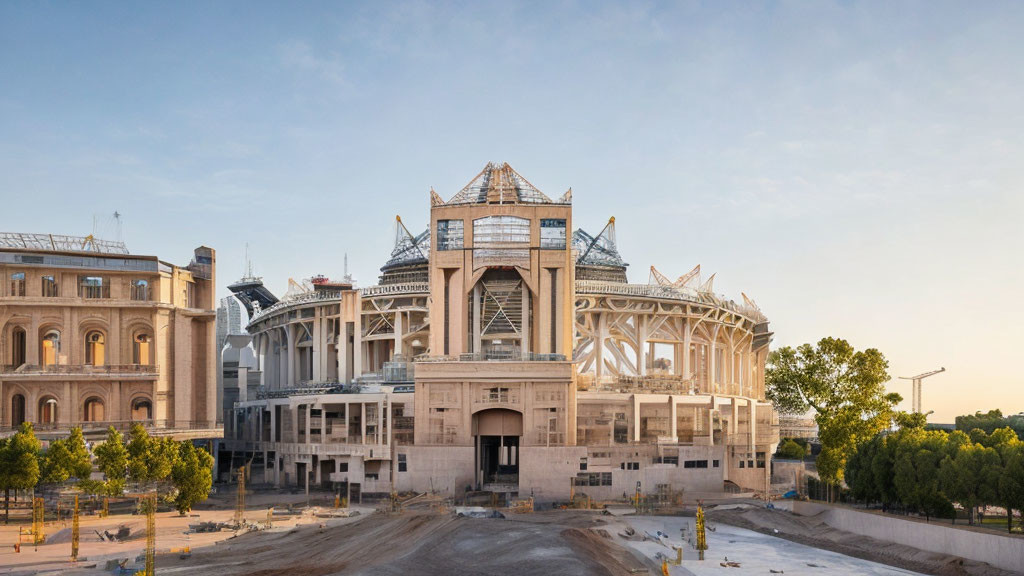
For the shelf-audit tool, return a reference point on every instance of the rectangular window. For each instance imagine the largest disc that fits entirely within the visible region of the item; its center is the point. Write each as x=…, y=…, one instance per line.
x=50, y=287
x=552, y=233
x=140, y=290
x=583, y=464
x=93, y=287
x=190, y=295
x=695, y=464
x=449, y=235
x=715, y=463
x=18, y=284
x=402, y=464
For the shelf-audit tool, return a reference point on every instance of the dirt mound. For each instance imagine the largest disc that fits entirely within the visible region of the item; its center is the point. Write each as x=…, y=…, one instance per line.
x=420, y=543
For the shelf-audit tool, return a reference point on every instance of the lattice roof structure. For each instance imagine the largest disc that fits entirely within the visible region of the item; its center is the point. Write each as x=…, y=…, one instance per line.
x=598, y=256
x=408, y=262
x=408, y=249
x=500, y=184
x=61, y=243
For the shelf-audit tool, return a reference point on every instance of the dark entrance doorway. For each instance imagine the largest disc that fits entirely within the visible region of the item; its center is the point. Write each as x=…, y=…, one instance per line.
x=499, y=459
x=498, y=434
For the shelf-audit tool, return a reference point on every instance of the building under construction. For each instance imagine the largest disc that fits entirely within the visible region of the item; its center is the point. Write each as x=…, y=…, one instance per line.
x=504, y=351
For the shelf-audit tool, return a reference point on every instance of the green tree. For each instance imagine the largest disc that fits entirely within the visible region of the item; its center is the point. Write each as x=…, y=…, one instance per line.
x=789, y=449
x=112, y=460
x=66, y=458
x=19, y=463
x=845, y=388
x=916, y=472
x=192, y=475
x=150, y=459
x=1011, y=480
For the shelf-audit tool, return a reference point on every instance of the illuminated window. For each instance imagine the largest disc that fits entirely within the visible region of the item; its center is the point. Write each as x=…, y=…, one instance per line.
x=94, y=348
x=140, y=349
x=50, y=348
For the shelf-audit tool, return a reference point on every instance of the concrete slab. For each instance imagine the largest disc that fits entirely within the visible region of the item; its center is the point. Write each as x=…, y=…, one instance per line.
x=755, y=552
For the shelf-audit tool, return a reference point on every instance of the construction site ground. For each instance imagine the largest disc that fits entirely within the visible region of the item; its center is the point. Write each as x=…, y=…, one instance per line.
x=425, y=539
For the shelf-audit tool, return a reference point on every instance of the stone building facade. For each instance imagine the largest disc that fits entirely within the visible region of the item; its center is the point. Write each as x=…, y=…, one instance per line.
x=93, y=336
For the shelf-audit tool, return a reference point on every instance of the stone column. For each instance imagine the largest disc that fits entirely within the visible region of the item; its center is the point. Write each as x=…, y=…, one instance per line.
x=687, y=342
x=526, y=321
x=636, y=419
x=476, y=319
x=309, y=422
x=398, y=333
x=672, y=418
x=362, y=423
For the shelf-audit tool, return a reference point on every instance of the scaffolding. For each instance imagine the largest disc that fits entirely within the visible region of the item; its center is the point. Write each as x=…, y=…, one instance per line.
x=240, y=508
x=38, y=512
x=149, y=502
x=702, y=543
x=74, y=531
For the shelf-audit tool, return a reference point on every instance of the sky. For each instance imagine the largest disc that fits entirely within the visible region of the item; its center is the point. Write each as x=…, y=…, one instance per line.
x=856, y=168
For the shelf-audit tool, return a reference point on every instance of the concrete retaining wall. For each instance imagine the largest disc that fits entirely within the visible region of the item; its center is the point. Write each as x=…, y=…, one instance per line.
x=1004, y=552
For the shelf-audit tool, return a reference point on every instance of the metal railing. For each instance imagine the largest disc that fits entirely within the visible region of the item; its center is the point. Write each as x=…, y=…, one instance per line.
x=494, y=357
x=299, y=299
x=124, y=425
x=597, y=287
x=394, y=289
x=82, y=369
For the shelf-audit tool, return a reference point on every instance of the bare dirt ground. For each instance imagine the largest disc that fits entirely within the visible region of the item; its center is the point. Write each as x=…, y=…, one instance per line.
x=421, y=542
x=811, y=531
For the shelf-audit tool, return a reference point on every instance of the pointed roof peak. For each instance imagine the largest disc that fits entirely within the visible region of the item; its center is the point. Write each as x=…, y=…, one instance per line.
x=501, y=184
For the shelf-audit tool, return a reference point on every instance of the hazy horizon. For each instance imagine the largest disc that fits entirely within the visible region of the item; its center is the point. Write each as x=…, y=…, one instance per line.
x=853, y=167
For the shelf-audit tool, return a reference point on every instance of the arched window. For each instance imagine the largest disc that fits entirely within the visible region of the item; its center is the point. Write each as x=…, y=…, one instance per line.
x=94, y=348
x=142, y=409
x=17, y=346
x=94, y=409
x=50, y=348
x=47, y=410
x=141, y=349
x=17, y=410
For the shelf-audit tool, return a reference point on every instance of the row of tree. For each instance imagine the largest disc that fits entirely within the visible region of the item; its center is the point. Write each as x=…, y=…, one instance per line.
x=990, y=422
x=926, y=471
x=982, y=463
x=175, y=469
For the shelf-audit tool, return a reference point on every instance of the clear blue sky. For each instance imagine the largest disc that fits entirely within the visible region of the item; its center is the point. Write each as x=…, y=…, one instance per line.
x=855, y=168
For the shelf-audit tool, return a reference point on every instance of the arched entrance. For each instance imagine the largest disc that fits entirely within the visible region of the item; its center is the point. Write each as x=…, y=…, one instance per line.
x=48, y=410
x=142, y=409
x=17, y=410
x=497, y=433
x=18, y=343
x=93, y=411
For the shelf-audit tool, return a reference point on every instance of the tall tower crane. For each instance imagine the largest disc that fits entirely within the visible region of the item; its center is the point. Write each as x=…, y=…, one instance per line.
x=916, y=388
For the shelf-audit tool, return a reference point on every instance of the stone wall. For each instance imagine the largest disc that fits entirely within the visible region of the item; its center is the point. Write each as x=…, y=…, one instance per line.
x=1006, y=552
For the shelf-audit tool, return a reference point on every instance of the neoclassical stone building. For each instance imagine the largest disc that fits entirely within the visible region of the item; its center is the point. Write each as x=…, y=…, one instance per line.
x=504, y=351
x=93, y=336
